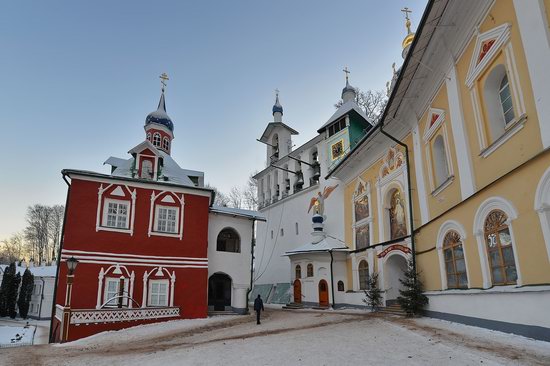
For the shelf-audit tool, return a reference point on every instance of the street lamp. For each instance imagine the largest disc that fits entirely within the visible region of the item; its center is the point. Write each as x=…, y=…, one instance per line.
x=71, y=265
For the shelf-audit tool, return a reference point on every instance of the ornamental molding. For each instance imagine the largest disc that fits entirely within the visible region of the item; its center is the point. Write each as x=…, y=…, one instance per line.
x=121, y=315
x=436, y=117
x=391, y=248
x=486, y=48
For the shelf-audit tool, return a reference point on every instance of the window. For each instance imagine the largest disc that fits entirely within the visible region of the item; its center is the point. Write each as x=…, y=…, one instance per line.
x=440, y=161
x=297, y=232
x=228, y=241
x=337, y=127
x=116, y=214
x=166, y=144
x=282, y=232
x=167, y=219
x=310, y=270
x=158, y=293
x=298, y=271
x=499, y=249
x=156, y=139
x=363, y=275
x=506, y=100
x=271, y=234
x=341, y=286
x=148, y=136
x=146, y=169
x=112, y=291
x=455, y=265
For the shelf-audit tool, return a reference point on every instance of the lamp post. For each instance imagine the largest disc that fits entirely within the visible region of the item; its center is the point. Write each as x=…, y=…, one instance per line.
x=71, y=265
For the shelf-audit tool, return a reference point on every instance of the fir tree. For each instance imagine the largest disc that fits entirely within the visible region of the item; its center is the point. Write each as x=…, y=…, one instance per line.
x=373, y=296
x=412, y=299
x=25, y=293
x=11, y=297
x=7, y=281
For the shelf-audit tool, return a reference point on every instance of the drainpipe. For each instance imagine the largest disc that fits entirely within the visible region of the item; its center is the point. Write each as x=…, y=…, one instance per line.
x=58, y=261
x=252, y=244
x=331, y=277
x=409, y=191
x=41, y=298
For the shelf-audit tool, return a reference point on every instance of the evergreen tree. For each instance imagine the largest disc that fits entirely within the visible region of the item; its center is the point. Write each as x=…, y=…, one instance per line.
x=7, y=280
x=373, y=296
x=11, y=297
x=412, y=299
x=25, y=293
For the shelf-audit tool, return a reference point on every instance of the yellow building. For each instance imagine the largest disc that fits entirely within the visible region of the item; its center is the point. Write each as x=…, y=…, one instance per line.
x=458, y=169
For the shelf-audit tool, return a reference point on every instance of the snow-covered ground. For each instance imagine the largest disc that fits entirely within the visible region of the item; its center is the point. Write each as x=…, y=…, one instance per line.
x=13, y=336
x=292, y=338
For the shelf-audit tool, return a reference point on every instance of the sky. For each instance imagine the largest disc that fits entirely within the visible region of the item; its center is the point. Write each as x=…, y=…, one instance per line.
x=78, y=78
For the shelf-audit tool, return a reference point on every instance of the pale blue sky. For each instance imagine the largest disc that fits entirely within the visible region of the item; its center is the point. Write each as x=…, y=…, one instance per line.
x=78, y=78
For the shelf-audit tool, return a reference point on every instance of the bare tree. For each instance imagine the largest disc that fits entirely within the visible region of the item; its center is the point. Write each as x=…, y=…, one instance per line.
x=250, y=193
x=220, y=199
x=55, y=225
x=12, y=249
x=37, y=233
x=236, y=198
x=372, y=102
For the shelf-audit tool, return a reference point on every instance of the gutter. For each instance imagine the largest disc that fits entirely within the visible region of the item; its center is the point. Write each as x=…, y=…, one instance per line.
x=332, y=278
x=41, y=298
x=58, y=261
x=252, y=245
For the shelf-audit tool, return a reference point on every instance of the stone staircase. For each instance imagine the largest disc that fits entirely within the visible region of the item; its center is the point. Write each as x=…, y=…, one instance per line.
x=293, y=306
x=392, y=308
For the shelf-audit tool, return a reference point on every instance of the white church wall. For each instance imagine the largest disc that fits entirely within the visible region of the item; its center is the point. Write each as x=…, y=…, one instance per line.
x=235, y=265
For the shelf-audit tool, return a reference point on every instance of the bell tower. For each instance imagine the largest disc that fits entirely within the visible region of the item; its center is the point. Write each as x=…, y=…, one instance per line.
x=159, y=128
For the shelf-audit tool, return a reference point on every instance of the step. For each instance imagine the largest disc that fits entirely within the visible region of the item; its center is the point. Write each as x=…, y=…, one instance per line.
x=218, y=312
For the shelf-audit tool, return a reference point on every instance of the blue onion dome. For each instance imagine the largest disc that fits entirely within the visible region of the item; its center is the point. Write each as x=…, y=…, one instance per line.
x=160, y=116
x=277, y=107
x=318, y=219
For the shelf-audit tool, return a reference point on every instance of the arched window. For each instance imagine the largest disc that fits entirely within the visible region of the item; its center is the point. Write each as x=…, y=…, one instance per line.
x=298, y=271
x=440, y=161
x=310, y=270
x=363, y=275
x=228, y=241
x=275, y=148
x=156, y=139
x=166, y=144
x=149, y=136
x=506, y=100
x=455, y=264
x=341, y=286
x=499, y=249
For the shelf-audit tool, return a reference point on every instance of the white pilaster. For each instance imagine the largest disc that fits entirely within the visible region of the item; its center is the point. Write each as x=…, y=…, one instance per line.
x=533, y=28
x=420, y=184
x=99, y=288
x=462, y=147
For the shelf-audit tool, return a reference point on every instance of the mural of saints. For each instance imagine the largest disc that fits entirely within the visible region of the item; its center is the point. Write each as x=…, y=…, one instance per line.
x=318, y=203
x=398, y=226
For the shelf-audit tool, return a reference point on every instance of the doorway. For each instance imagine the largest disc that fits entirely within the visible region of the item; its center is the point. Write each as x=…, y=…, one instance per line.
x=323, y=293
x=297, y=291
x=394, y=269
x=219, y=291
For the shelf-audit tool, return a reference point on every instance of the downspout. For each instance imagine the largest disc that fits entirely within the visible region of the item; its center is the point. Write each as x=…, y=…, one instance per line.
x=409, y=190
x=252, y=244
x=41, y=298
x=58, y=261
x=331, y=277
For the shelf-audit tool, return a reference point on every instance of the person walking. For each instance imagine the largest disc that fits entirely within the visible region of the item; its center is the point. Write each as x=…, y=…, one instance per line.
x=258, y=308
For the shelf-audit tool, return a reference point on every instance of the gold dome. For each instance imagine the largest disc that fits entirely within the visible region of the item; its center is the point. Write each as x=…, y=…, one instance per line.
x=408, y=40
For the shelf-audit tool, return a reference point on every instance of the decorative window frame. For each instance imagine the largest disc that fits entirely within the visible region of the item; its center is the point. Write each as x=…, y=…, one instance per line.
x=153, y=214
x=450, y=225
x=149, y=291
x=101, y=203
x=113, y=271
x=490, y=204
x=542, y=206
x=430, y=134
x=166, y=144
x=158, y=206
x=356, y=258
x=502, y=42
x=361, y=260
x=369, y=219
x=166, y=275
x=153, y=158
x=230, y=228
x=160, y=140
x=312, y=270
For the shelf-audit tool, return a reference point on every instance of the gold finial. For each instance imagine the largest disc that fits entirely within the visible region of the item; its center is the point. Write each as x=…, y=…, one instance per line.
x=347, y=73
x=408, y=21
x=163, y=78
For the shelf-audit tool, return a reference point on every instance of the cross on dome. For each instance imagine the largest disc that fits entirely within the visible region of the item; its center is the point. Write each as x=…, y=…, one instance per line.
x=163, y=78
x=347, y=73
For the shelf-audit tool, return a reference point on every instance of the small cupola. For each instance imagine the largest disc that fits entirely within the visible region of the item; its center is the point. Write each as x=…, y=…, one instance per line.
x=159, y=128
x=277, y=108
x=349, y=92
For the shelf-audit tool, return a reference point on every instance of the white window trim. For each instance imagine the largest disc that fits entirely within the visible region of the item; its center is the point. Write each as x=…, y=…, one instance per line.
x=149, y=290
x=154, y=271
x=125, y=273
x=490, y=204
x=155, y=224
x=429, y=135
x=542, y=206
x=450, y=225
x=101, y=205
x=160, y=139
x=104, y=220
x=153, y=214
x=117, y=281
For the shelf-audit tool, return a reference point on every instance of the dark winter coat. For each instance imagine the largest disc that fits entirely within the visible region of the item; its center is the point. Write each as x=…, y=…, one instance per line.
x=258, y=304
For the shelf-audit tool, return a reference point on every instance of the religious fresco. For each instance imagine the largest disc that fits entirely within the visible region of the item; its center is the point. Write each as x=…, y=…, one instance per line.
x=362, y=238
x=398, y=226
x=393, y=160
x=318, y=203
x=361, y=208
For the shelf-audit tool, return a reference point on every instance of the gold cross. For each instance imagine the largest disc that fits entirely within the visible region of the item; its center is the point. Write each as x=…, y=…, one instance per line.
x=347, y=72
x=163, y=79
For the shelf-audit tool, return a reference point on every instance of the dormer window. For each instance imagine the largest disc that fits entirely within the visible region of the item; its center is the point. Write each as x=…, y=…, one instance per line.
x=337, y=127
x=156, y=139
x=146, y=169
x=166, y=144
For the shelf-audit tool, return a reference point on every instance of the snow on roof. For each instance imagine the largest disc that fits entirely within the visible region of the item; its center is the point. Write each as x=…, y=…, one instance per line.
x=271, y=126
x=345, y=108
x=327, y=244
x=42, y=271
x=237, y=212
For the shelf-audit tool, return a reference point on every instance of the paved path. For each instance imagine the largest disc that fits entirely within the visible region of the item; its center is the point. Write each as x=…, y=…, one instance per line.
x=293, y=338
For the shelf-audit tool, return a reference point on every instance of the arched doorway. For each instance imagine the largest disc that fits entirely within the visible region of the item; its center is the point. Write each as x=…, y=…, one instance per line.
x=394, y=268
x=219, y=291
x=297, y=291
x=323, y=293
